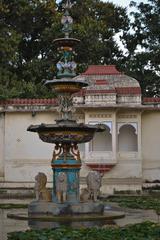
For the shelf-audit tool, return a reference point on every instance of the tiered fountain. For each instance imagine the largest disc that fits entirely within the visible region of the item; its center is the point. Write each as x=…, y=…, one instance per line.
x=65, y=203
x=66, y=134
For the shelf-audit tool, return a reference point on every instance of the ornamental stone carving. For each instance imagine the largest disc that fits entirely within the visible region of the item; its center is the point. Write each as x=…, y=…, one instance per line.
x=94, y=180
x=61, y=187
x=42, y=193
x=85, y=195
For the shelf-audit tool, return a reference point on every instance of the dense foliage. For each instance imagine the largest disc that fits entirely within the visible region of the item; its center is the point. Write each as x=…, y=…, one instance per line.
x=27, y=31
x=143, y=45
x=27, y=54
x=143, y=231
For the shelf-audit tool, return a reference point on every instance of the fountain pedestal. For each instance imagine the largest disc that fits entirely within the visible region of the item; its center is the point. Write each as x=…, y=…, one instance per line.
x=66, y=181
x=39, y=209
x=66, y=165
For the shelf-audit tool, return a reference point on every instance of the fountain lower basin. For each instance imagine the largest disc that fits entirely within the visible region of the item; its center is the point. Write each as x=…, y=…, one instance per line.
x=43, y=209
x=48, y=220
x=67, y=132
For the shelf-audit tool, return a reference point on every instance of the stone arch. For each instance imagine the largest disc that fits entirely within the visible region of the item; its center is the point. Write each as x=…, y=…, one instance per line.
x=127, y=137
x=102, y=141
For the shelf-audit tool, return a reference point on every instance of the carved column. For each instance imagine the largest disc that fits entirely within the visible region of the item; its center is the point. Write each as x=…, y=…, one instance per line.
x=114, y=136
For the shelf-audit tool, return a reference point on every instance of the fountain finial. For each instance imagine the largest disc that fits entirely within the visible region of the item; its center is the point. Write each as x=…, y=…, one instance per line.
x=67, y=20
x=67, y=5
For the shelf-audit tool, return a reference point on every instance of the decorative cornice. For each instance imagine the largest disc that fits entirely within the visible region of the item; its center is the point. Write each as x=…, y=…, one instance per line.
x=102, y=168
x=151, y=100
x=18, y=101
x=128, y=90
x=99, y=91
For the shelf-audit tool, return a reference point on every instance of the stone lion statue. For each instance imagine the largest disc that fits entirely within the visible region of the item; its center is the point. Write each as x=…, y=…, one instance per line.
x=84, y=196
x=94, y=180
x=42, y=193
x=61, y=187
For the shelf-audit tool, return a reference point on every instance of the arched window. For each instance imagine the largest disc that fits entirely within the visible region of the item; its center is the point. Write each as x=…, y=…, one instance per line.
x=102, y=141
x=127, y=138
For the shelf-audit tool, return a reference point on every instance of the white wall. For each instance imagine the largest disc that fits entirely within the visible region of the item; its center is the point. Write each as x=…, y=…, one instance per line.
x=151, y=145
x=25, y=153
x=2, y=134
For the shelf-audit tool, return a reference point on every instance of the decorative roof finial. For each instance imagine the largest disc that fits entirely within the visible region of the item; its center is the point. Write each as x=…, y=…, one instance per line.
x=67, y=20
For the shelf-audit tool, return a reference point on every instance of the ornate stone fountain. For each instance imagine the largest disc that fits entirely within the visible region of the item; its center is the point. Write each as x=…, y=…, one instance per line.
x=66, y=134
x=65, y=205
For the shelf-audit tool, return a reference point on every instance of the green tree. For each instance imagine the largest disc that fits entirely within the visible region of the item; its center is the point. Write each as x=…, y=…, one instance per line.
x=95, y=24
x=27, y=31
x=143, y=44
x=26, y=43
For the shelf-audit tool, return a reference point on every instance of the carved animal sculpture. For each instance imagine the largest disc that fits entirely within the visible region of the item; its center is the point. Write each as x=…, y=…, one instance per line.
x=42, y=193
x=94, y=184
x=61, y=187
x=84, y=196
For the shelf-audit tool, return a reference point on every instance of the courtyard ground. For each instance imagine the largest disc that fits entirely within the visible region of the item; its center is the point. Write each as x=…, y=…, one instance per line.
x=141, y=219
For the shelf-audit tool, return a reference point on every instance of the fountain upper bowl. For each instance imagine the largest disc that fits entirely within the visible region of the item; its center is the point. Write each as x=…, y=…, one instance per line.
x=65, y=132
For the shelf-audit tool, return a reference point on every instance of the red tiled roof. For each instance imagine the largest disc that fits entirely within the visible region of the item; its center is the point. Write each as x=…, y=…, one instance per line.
x=18, y=101
x=128, y=90
x=101, y=82
x=102, y=70
x=151, y=100
x=121, y=90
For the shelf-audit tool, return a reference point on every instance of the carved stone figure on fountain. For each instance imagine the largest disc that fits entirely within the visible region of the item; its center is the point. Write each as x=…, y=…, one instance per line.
x=66, y=65
x=85, y=195
x=42, y=193
x=75, y=152
x=56, y=152
x=67, y=20
x=94, y=180
x=65, y=106
x=61, y=187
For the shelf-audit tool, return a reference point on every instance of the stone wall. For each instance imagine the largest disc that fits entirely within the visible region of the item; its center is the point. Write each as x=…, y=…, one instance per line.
x=23, y=154
x=151, y=145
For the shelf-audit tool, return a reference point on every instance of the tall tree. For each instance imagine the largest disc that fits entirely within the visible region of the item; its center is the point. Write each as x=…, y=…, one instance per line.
x=27, y=31
x=96, y=24
x=143, y=44
x=26, y=43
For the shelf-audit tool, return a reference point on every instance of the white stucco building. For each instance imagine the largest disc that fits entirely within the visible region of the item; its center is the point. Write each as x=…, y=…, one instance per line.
x=127, y=152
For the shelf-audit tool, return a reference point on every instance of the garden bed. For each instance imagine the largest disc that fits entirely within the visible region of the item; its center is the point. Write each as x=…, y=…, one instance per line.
x=137, y=202
x=143, y=231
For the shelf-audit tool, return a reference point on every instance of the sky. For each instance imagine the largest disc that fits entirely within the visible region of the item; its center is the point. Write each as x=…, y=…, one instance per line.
x=124, y=3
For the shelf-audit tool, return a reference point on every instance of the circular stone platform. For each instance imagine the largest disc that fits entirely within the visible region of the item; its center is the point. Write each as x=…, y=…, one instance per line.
x=42, y=208
x=48, y=220
x=110, y=215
